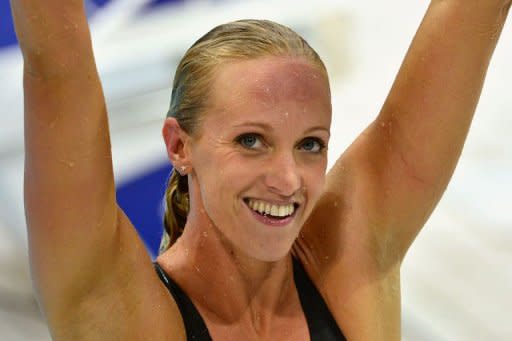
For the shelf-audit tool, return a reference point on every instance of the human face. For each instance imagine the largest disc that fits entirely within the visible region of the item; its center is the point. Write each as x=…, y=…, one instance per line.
x=262, y=142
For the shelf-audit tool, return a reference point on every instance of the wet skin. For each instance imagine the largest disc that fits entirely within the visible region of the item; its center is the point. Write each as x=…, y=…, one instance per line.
x=263, y=136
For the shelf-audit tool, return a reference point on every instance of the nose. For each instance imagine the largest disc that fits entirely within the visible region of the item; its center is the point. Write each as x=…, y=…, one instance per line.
x=283, y=176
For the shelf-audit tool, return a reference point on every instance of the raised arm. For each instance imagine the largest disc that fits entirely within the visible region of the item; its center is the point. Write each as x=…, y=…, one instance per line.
x=69, y=187
x=82, y=247
x=407, y=156
x=387, y=183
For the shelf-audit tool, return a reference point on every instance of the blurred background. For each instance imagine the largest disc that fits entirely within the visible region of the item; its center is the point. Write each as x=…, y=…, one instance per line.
x=457, y=277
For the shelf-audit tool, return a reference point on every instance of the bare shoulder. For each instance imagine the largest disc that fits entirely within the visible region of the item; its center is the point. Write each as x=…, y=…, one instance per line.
x=348, y=258
x=128, y=303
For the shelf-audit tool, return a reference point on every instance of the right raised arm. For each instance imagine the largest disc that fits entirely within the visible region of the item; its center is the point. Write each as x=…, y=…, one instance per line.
x=77, y=234
x=69, y=187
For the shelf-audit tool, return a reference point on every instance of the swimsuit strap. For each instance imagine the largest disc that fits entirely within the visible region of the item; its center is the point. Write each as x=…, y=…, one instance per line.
x=321, y=323
x=194, y=324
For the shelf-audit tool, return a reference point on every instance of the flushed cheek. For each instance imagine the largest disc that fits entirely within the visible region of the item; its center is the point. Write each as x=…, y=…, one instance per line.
x=315, y=184
x=318, y=191
x=223, y=191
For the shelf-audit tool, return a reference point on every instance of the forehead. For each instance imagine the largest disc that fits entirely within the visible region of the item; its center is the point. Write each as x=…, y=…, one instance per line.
x=267, y=82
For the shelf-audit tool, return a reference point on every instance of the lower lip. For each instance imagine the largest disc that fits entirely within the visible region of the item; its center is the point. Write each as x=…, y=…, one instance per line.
x=272, y=222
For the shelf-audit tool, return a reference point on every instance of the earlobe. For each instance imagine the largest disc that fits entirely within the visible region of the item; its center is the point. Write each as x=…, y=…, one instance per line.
x=175, y=140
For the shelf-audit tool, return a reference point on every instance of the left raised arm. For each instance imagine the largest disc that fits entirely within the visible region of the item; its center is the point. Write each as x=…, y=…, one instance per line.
x=397, y=170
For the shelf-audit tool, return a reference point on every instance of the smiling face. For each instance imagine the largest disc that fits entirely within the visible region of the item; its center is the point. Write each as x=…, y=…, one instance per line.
x=259, y=157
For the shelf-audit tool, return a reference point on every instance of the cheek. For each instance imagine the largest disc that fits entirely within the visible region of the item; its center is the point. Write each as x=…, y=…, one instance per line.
x=315, y=180
x=220, y=178
x=317, y=184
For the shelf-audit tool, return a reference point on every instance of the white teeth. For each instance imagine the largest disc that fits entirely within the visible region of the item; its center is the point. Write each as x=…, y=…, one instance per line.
x=271, y=209
x=268, y=208
x=261, y=207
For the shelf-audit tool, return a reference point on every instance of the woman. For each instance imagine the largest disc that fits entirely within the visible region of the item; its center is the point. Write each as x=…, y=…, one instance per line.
x=263, y=244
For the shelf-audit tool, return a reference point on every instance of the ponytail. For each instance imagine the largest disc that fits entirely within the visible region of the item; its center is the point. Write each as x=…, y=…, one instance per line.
x=176, y=209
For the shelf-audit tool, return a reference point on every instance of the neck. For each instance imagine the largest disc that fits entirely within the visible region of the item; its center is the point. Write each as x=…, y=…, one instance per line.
x=240, y=289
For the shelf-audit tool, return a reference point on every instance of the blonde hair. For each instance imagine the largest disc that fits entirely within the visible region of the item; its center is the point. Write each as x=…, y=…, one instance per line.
x=238, y=40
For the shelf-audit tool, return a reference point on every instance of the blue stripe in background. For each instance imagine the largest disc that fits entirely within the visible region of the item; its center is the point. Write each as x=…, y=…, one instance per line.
x=141, y=198
x=7, y=36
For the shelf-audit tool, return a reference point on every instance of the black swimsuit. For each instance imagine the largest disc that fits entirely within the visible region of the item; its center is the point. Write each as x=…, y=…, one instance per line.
x=321, y=323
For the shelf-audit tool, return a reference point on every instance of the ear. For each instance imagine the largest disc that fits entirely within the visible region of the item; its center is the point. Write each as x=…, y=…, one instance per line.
x=176, y=142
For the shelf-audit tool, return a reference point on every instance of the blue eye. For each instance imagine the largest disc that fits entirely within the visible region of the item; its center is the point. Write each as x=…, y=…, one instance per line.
x=312, y=145
x=250, y=141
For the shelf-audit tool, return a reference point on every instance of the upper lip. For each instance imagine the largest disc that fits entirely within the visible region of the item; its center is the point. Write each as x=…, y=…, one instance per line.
x=274, y=202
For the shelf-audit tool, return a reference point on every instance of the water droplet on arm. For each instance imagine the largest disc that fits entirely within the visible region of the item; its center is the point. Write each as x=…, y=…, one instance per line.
x=68, y=163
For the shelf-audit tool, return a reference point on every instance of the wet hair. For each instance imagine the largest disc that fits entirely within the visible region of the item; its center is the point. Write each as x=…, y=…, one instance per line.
x=238, y=40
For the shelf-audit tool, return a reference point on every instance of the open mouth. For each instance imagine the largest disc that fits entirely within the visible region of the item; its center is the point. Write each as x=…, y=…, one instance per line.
x=272, y=211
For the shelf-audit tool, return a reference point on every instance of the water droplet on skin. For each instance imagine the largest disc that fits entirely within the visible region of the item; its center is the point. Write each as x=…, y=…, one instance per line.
x=335, y=204
x=205, y=234
x=70, y=164
x=284, y=117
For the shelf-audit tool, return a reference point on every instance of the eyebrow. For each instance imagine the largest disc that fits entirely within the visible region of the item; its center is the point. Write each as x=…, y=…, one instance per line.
x=266, y=126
